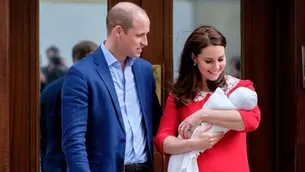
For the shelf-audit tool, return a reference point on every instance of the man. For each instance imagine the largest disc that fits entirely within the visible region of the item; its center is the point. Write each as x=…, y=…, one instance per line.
x=55, y=68
x=109, y=104
x=52, y=51
x=52, y=157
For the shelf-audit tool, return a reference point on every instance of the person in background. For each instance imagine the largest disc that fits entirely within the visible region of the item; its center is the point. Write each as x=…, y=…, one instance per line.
x=52, y=156
x=55, y=68
x=234, y=67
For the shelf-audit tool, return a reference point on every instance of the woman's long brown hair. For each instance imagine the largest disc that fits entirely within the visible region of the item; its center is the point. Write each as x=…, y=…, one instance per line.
x=189, y=81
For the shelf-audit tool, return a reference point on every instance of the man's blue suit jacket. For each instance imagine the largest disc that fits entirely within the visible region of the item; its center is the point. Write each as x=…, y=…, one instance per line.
x=93, y=134
x=52, y=156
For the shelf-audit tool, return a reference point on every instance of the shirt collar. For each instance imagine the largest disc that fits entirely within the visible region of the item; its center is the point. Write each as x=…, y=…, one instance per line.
x=111, y=60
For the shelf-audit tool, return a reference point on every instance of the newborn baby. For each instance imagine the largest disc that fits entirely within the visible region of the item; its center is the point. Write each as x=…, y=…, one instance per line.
x=242, y=98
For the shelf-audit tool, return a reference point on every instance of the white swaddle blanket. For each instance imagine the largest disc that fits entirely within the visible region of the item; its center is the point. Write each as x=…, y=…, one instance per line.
x=242, y=98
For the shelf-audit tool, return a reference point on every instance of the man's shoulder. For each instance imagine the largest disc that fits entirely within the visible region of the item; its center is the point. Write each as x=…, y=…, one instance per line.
x=84, y=64
x=53, y=88
x=55, y=84
x=83, y=67
x=144, y=63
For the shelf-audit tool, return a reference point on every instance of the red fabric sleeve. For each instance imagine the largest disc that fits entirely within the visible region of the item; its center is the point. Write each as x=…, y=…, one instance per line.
x=252, y=117
x=168, y=124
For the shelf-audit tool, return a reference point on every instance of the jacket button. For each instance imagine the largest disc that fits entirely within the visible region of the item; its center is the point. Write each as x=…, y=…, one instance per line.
x=123, y=140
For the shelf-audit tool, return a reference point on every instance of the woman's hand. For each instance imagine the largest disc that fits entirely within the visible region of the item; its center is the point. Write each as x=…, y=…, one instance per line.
x=187, y=127
x=204, y=140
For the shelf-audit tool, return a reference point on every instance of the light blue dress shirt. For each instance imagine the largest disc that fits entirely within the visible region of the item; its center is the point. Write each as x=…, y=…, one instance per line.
x=125, y=86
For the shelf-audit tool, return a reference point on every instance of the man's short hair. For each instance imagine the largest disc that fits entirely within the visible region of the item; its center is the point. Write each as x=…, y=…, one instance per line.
x=121, y=16
x=82, y=49
x=54, y=49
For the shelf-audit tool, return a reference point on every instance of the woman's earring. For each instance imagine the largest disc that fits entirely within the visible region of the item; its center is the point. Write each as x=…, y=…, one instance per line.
x=195, y=63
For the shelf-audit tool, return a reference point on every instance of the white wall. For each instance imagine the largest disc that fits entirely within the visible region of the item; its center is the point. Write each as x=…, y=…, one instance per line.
x=64, y=24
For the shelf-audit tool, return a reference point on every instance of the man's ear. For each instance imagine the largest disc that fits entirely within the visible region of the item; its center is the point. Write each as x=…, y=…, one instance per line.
x=118, y=30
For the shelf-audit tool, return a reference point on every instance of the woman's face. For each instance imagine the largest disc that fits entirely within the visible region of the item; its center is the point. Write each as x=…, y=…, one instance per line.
x=211, y=62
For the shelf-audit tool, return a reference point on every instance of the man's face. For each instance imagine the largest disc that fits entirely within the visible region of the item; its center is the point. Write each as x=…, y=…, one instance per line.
x=51, y=53
x=135, y=39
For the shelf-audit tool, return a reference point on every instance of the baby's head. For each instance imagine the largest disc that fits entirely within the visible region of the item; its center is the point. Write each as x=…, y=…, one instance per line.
x=243, y=98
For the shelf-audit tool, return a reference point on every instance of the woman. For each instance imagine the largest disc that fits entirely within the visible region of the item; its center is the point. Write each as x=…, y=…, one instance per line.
x=201, y=71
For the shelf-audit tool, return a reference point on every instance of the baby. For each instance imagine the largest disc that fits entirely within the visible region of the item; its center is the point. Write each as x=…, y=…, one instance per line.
x=242, y=98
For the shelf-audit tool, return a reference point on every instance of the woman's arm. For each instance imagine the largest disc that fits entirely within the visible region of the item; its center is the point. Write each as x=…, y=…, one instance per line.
x=239, y=120
x=174, y=145
x=203, y=140
x=234, y=120
x=166, y=140
x=168, y=124
x=230, y=119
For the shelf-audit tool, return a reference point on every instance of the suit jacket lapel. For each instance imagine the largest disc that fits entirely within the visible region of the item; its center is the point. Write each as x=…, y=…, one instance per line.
x=104, y=72
x=140, y=84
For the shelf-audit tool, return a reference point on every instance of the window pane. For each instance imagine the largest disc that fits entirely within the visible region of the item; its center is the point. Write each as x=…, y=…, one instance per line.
x=224, y=15
x=63, y=24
